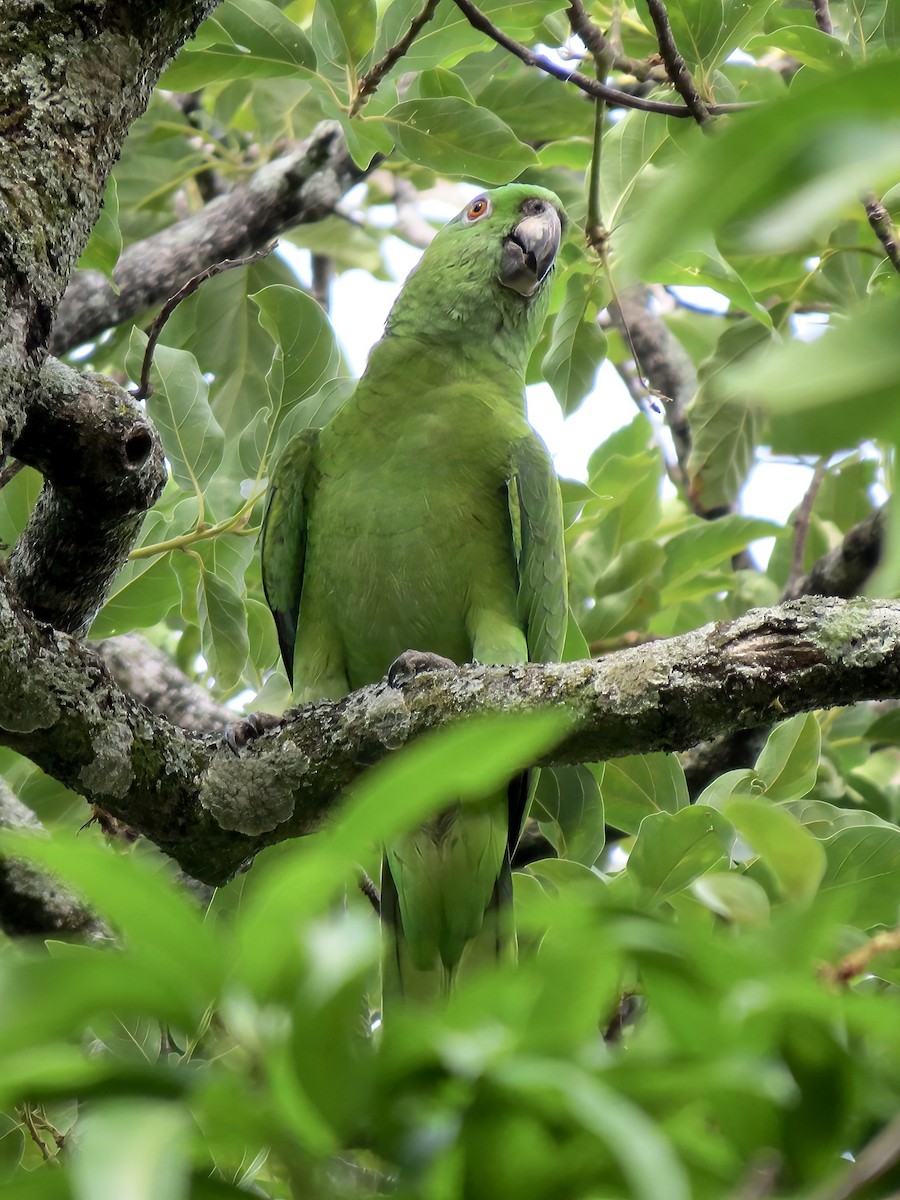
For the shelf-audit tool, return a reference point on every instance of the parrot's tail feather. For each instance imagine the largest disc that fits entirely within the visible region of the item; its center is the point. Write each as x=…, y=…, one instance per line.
x=400, y=976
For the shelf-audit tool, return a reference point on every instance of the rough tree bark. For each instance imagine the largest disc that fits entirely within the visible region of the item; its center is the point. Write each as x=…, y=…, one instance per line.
x=213, y=810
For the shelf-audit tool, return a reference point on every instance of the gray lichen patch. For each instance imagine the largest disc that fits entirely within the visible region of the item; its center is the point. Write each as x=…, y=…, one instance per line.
x=390, y=718
x=26, y=706
x=109, y=773
x=253, y=795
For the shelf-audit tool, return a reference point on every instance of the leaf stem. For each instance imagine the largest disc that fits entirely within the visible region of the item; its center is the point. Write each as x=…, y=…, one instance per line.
x=236, y=524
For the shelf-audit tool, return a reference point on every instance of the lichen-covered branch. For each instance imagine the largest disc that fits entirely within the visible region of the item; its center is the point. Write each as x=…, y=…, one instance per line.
x=213, y=810
x=31, y=903
x=149, y=676
x=103, y=467
x=295, y=189
x=61, y=138
x=661, y=361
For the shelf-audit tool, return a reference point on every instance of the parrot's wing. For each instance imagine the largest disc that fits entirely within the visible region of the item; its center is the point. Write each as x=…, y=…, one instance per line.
x=284, y=538
x=535, y=509
x=537, y=522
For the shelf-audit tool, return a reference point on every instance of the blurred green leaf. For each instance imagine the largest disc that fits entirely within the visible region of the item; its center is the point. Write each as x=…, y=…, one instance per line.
x=134, y=1150
x=795, y=858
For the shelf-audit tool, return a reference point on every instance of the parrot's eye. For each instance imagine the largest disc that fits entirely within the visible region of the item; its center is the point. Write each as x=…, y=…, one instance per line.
x=481, y=207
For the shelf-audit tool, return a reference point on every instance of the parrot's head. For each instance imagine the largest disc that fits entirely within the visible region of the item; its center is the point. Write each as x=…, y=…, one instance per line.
x=485, y=275
x=513, y=233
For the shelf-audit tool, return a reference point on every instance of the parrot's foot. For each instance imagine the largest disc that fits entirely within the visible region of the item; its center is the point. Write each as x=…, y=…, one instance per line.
x=239, y=733
x=416, y=662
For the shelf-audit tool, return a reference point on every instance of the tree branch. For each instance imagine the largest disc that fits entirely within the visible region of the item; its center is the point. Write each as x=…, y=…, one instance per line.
x=150, y=677
x=31, y=903
x=213, y=810
x=296, y=189
x=844, y=570
x=676, y=67
x=662, y=362
x=885, y=230
x=368, y=85
x=60, y=141
x=103, y=468
x=593, y=87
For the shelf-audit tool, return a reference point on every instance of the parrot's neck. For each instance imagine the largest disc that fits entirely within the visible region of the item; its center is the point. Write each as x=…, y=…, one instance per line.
x=474, y=327
x=432, y=362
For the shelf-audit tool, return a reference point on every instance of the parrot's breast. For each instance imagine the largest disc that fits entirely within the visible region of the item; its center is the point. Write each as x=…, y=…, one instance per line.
x=411, y=545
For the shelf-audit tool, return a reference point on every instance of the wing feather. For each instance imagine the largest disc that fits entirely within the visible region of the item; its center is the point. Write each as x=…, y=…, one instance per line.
x=284, y=538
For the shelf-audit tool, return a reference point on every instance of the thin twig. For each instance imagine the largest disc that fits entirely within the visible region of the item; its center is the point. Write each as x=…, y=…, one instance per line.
x=801, y=523
x=823, y=16
x=368, y=85
x=595, y=232
x=593, y=87
x=598, y=43
x=144, y=388
x=882, y=1153
x=369, y=890
x=9, y=472
x=885, y=230
x=675, y=64
x=857, y=961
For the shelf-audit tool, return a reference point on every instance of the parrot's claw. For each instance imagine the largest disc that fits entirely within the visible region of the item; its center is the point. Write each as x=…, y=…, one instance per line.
x=416, y=662
x=239, y=733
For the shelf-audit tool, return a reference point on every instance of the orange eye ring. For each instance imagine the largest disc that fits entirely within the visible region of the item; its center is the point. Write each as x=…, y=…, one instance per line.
x=478, y=209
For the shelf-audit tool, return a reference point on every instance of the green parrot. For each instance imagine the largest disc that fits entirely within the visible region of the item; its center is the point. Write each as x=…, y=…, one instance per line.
x=427, y=514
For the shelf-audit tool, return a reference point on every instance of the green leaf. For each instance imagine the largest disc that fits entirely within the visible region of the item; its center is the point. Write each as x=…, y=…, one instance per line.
x=862, y=873
x=673, y=849
x=161, y=926
x=247, y=38
x=811, y=153
x=789, y=761
x=105, y=243
x=635, y=786
x=458, y=139
x=826, y=395
x=795, y=858
x=814, y=48
x=133, y=1149
x=734, y=897
x=707, y=32
x=306, y=353
x=569, y=805
x=705, y=545
x=578, y=345
x=179, y=408
x=223, y=627
x=723, y=433
x=343, y=31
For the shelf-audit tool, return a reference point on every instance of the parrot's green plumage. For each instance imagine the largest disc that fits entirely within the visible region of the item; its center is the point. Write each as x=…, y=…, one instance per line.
x=427, y=515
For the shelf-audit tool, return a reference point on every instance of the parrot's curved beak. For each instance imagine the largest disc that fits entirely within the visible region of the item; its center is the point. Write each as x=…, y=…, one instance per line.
x=530, y=249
